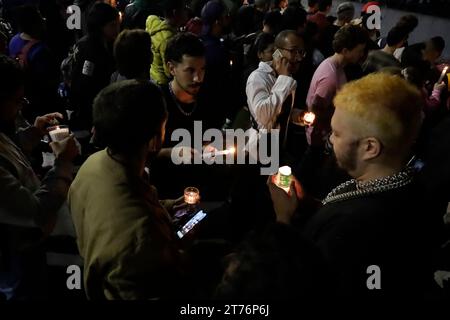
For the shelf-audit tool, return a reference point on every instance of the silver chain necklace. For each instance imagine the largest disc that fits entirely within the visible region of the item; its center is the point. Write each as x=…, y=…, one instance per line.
x=358, y=189
x=174, y=97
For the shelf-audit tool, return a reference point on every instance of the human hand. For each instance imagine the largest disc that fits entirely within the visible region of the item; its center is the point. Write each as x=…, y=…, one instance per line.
x=180, y=154
x=49, y=119
x=281, y=66
x=66, y=149
x=284, y=203
x=439, y=86
x=173, y=205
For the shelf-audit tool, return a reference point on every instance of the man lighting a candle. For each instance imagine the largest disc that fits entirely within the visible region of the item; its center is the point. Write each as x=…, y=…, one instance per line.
x=376, y=219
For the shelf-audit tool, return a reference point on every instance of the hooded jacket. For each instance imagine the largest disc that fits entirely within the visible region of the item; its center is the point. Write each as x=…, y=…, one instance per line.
x=160, y=32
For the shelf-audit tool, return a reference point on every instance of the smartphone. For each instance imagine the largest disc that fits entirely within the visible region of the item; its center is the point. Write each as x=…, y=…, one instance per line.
x=199, y=216
x=277, y=54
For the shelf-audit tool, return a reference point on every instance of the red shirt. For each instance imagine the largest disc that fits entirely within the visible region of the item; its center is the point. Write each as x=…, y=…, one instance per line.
x=320, y=19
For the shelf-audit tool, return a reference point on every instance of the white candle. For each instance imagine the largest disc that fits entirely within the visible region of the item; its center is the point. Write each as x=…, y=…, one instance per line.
x=58, y=133
x=284, y=178
x=444, y=72
x=219, y=153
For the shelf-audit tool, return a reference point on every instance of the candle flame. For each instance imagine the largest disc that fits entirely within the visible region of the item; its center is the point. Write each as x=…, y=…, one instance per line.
x=309, y=117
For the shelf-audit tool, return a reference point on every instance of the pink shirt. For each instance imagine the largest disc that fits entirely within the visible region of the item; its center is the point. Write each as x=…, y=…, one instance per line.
x=327, y=80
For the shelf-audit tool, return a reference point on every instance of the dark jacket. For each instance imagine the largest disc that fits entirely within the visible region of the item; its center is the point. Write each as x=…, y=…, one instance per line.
x=94, y=65
x=388, y=229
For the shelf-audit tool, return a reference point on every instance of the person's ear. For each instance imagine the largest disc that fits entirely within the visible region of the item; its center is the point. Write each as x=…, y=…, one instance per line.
x=260, y=55
x=153, y=144
x=372, y=148
x=345, y=52
x=171, y=67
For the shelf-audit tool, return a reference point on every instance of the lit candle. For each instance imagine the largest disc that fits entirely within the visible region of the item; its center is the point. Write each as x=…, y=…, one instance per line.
x=231, y=63
x=284, y=178
x=58, y=133
x=219, y=153
x=191, y=195
x=444, y=72
x=308, y=118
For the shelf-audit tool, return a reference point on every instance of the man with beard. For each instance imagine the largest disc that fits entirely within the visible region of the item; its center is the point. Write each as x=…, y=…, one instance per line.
x=124, y=234
x=28, y=206
x=376, y=219
x=185, y=56
x=187, y=102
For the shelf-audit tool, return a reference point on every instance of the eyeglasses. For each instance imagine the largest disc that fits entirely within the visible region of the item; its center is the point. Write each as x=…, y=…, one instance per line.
x=294, y=51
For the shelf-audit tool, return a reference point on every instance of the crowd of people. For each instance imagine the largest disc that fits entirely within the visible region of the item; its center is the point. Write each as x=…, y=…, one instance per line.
x=370, y=182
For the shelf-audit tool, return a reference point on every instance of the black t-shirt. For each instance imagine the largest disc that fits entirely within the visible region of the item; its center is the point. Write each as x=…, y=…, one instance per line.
x=181, y=115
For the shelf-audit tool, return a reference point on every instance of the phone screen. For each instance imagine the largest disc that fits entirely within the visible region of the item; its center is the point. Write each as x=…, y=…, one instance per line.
x=191, y=224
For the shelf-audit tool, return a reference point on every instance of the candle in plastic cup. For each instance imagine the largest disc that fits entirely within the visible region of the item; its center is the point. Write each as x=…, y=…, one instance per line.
x=284, y=178
x=191, y=195
x=58, y=133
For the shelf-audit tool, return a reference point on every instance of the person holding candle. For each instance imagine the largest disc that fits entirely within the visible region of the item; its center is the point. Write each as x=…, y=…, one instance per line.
x=269, y=86
x=349, y=44
x=185, y=56
x=125, y=234
x=28, y=206
x=378, y=217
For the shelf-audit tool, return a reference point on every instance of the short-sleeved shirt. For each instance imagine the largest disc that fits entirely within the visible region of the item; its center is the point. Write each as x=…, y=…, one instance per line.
x=327, y=80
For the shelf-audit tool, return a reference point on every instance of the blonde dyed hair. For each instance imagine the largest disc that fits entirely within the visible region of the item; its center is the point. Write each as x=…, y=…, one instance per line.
x=385, y=107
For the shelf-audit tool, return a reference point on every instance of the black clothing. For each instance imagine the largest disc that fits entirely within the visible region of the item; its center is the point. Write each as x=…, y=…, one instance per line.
x=388, y=229
x=94, y=64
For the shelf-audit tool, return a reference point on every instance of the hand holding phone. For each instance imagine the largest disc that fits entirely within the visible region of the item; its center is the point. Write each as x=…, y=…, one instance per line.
x=277, y=55
x=280, y=63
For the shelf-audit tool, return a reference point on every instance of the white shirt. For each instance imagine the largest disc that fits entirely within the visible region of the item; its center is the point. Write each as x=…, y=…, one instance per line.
x=266, y=94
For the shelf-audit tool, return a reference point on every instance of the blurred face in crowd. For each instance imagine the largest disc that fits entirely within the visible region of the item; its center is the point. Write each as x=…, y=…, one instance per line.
x=9, y=109
x=266, y=54
x=355, y=55
x=294, y=51
x=430, y=53
x=283, y=4
x=112, y=30
x=189, y=73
